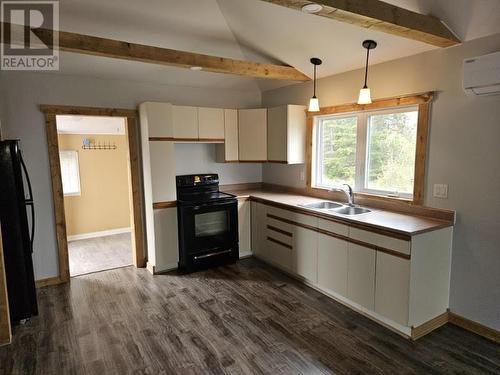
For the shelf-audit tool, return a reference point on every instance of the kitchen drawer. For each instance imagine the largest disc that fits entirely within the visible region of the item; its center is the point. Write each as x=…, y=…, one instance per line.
x=279, y=235
x=380, y=240
x=293, y=216
x=278, y=254
x=279, y=224
x=333, y=227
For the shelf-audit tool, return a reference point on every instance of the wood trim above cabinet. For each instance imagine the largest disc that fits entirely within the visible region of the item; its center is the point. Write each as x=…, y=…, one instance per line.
x=166, y=204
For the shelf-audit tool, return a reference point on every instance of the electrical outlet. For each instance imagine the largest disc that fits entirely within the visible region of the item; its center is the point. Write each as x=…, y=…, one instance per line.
x=440, y=191
x=302, y=175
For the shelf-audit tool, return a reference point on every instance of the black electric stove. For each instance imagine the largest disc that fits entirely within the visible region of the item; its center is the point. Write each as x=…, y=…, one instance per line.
x=207, y=222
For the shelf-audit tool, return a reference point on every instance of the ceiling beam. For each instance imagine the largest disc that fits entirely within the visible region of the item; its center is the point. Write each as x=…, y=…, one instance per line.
x=92, y=45
x=381, y=16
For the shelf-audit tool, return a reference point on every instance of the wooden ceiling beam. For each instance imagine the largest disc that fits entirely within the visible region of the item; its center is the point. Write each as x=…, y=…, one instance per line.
x=381, y=16
x=96, y=46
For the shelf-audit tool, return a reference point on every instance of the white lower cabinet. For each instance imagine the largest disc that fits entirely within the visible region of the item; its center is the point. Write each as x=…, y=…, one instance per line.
x=332, y=264
x=361, y=275
x=392, y=288
x=244, y=227
x=258, y=228
x=305, y=252
x=402, y=283
x=279, y=253
x=166, y=249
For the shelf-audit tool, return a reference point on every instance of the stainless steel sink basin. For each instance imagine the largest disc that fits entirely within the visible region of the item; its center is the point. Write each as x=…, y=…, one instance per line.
x=326, y=205
x=348, y=210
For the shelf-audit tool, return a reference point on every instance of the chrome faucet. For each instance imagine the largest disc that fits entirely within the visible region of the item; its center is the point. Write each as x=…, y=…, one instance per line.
x=349, y=193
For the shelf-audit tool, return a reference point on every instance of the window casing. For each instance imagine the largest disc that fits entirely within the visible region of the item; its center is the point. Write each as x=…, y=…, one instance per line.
x=70, y=172
x=373, y=151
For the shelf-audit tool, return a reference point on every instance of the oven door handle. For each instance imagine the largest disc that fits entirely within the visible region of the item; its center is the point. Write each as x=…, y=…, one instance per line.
x=213, y=204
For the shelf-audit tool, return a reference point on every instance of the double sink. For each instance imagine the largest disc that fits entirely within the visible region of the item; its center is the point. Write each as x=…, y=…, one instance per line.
x=336, y=208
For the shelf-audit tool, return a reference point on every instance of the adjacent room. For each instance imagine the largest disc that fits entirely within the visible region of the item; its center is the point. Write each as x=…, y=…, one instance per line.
x=250, y=187
x=93, y=152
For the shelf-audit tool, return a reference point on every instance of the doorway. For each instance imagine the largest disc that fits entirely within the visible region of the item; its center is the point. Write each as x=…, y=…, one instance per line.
x=89, y=239
x=94, y=171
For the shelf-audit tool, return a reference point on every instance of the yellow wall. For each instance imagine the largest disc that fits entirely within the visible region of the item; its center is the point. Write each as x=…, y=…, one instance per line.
x=104, y=200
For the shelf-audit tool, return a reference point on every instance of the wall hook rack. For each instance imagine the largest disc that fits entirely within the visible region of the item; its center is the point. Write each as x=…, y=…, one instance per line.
x=90, y=145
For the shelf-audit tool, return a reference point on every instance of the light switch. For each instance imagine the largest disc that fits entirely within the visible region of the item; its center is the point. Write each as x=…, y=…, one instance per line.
x=440, y=191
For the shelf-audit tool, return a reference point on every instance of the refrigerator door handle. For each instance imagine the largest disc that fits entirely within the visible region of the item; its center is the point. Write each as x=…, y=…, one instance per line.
x=29, y=201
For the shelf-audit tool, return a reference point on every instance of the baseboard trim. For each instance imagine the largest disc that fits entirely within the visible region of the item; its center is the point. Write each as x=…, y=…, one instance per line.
x=155, y=271
x=245, y=254
x=429, y=326
x=48, y=281
x=102, y=233
x=475, y=327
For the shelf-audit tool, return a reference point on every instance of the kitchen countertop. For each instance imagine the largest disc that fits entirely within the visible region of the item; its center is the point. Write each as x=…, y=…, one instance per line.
x=390, y=221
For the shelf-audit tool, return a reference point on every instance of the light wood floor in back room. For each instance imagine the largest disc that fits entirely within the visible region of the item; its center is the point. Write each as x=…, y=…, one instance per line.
x=246, y=318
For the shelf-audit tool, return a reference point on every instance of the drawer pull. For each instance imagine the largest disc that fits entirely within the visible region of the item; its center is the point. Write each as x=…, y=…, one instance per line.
x=280, y=243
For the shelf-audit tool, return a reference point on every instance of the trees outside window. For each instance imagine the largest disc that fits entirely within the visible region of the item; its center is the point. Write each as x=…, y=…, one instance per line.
x=372, y=151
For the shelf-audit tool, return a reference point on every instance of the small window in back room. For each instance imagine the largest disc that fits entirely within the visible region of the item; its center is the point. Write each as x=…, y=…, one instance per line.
x=70, y=172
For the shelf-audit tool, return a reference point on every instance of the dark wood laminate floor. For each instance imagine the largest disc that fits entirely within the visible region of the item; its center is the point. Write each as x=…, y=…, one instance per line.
x=241, y=319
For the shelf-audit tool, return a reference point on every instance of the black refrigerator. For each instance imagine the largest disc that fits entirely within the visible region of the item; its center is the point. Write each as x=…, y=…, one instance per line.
x=17, y=231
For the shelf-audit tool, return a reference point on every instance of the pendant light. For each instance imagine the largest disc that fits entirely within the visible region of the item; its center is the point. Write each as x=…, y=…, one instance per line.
x=364, y=93
x=314, y=102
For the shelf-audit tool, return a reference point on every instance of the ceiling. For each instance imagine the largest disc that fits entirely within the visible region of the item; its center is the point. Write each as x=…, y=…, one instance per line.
x=249, y=30
x=73, y=124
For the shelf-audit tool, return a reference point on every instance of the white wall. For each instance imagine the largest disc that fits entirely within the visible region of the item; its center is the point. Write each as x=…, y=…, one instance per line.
x=24, y=91
x=200, y=158
x=464, y=152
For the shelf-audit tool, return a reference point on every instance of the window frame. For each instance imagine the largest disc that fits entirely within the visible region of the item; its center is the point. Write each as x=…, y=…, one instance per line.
x=362, y=152
x=77, y=158
x=420, y=102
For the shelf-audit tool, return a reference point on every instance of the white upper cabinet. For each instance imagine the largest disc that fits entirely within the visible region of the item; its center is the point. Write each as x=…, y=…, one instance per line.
x=185, y=122
x=157, y=119
x=286, y=134
x=228, y=151
x=210, y=124
x=252, y=137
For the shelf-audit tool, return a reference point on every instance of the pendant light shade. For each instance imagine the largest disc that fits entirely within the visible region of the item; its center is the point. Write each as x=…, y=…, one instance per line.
x=314, y=101
x=364, y=93
x=314, y=104
x=364, y=96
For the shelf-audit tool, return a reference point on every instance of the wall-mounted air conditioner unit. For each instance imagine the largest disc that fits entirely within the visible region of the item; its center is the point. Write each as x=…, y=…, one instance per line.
x=482, y=75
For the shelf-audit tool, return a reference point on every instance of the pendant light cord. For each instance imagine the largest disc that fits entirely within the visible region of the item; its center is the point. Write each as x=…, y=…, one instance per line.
x=314, y=82
x=366, y=67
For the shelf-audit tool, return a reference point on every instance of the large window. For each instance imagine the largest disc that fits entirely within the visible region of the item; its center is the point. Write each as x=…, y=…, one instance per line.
x=374, y=151
x=70, y=172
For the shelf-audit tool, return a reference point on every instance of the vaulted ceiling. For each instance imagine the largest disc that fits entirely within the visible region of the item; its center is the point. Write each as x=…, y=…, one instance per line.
x=249, y=30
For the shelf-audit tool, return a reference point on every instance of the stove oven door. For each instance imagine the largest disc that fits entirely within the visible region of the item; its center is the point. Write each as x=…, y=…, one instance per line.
x=208, y=233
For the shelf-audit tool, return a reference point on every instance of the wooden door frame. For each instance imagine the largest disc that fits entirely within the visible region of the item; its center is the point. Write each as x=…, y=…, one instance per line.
x=137, y=224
